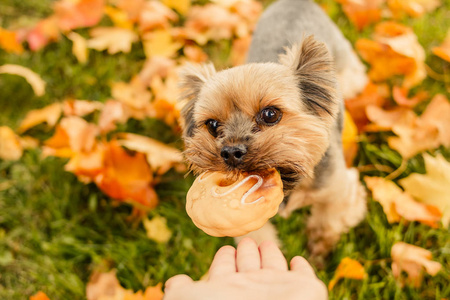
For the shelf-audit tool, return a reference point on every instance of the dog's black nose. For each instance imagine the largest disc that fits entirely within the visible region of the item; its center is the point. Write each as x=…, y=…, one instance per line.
x=233, y=155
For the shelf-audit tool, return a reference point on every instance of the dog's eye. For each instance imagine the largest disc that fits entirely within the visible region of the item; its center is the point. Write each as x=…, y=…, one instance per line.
x=270, y=116
x=212, y=126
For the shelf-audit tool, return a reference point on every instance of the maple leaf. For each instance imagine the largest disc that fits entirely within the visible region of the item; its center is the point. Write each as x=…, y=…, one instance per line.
x=72, y=14
x=432, y=188
x=80, y=108
x=39, y=296
x=127, y=177
x=396, y=46
x=156, y=66
x=44, y=32
x=362, y=12
x=10, y=42
x=239, y=49
x=157, y=229
x=347, y=268
x=36, y=82
x=133, y=94
x=87, y=165
x=160, y=156
x=113, y=39
x=412, y=260
x=400, y=96
x=112, y=113
x=397, y=204
x=49, y=114
x=372, y=94
x=10, y=146
x=181, y=6
x=349, y=139
x=413, y=8
x=79, y=47
x=160, y=43
x=155, y=15
x=132, y=8
x=195, y=54
x=443, y=51
x=118, y=17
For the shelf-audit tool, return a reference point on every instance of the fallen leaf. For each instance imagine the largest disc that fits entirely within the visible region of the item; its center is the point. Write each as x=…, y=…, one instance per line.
x=155, y=15
x=181, y=6
x=160, y=43
x=133, y=94
x=165, y=106
x=79, y=47
x=412, y=260
x=9, y=41
x=36, y=82
x=113, y=39
x=80, y=108
x=443, y=51
x=10, y=146
x=39, y=296
x=433, y=187
x=348, y=268
x=87, y=165
x=239, y=49
x=72, y=14
x=372, y=94
x=160, y=156
x=44, y=32
x=118, y=17
x=156, y=66
x=362, y=12
x=127, y=177
x=112, y=113
x=396, y=46
x=154, y=292
x=195, y=54
x=49, y=114
x=157, y=229
x=398, y=204
x=413, y=8
x=400, y=95
x=133, y=8
x=349, y=139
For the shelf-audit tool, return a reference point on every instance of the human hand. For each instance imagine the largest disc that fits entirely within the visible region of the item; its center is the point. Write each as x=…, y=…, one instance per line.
x=250, y=273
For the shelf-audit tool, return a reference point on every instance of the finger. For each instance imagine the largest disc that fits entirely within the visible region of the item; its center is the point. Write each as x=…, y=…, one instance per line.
x=271, y=257
x=247, y=256
x=178, y=280
x=300, y=264
x=224, y=262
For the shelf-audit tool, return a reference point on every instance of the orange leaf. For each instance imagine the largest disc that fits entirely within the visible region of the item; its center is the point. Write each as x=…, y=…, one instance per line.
x=49, y=114
x=133, y=94
x=87, y=165
x=239, y=50
x=44, y=32
x=156, y=66
x=9, y=41
x=80, y=108
x=72, y=14
x=443, y=51
x=113, y=39
x=127, y=177
x=413, y=8
x=349, y=139
x=10, y=146
x=362, y=13
x=155, y=15
x=400, y=96
x=195, y=54
x=412, y=260
x=348, y=268
x=39, y=296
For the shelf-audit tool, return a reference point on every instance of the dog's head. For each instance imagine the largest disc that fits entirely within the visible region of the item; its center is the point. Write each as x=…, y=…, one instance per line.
x=258, y=116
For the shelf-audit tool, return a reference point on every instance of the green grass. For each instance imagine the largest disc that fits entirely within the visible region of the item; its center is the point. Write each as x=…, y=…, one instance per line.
x=55, y=230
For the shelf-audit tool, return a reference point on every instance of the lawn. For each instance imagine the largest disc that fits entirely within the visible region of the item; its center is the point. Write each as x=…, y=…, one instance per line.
x=55, y=230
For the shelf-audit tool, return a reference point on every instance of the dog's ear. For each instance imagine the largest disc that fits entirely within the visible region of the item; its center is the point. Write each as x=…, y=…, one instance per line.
x=313, y=65
x=192, y=78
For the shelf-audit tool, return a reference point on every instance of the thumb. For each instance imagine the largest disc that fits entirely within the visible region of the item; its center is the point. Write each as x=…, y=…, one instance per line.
x=178, y=280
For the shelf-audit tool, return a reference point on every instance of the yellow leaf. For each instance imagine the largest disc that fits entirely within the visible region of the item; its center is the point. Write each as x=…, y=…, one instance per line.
x=349, y=139
x=412, y=260
x=133, y=94
x=155, y=15
x=80, y=108
x=443, y=51
x=79, y=47
x=181, y=6
x=113, y=39
x=160, y=43
x=9, y=41
x=49, y=114
x=433, y=187
x=414, y=8
x=36, y=82
x=119, y=17
x=157, y=229
x=10, y=146
x=348, y=268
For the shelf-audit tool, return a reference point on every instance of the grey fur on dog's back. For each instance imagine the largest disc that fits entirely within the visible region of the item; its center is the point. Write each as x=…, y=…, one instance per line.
x=285, y=22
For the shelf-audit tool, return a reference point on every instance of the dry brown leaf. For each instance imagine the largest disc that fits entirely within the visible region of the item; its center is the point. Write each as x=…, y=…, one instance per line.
x=433, y=187
x=400, y=96
x=133, y=94
x=10, y=42
x=372, y=94
x=160, y=156
x=80, y=108
x=49, y=114
x=127, y=177
x=155, y=15
x=10, y=146
x=413, y=8
x=349, y=139
x=398, y=204
x=160, y=43
x=412, y=260
x=443, y=51
x=72, y=14
x=79, y=47
x=157, y=229
x=36, y=82
x=113, y=39
x=396, y=46
x=39, y=296
x=348, y=268
x=362, y=12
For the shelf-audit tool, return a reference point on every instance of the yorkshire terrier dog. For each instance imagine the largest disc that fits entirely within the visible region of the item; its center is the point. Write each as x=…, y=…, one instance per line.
x=283, y=109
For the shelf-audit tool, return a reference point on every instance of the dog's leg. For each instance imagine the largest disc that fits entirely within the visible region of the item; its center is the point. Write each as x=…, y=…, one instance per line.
x=266, y=233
